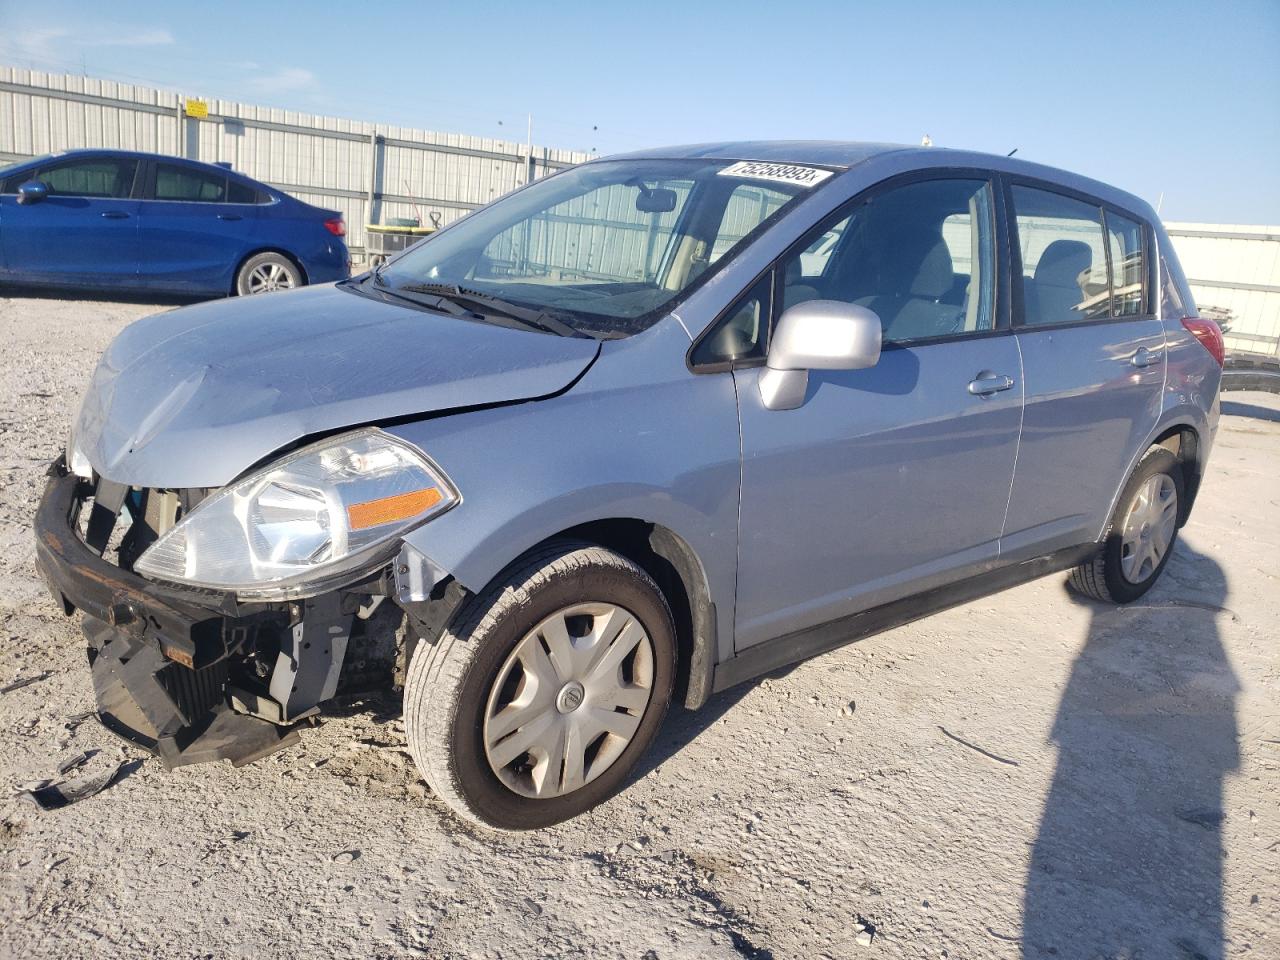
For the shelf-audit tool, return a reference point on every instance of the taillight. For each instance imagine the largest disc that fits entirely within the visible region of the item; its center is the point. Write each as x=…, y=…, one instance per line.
x=336, y=226
x=1209, y=334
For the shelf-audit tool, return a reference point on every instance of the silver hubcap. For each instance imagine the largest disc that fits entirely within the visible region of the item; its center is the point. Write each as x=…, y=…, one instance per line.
x=266, y=277
x=1148, y=528
x=568, y=700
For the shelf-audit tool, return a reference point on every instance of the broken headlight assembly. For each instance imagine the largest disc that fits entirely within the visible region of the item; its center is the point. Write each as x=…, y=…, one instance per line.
x=288, y=529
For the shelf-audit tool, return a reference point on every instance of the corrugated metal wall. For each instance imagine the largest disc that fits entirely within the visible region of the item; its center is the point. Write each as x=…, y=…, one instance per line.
x=369, y=172
x=1234, y=269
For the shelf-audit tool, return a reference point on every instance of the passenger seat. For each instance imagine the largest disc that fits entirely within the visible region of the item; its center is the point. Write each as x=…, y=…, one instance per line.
x=918, y=310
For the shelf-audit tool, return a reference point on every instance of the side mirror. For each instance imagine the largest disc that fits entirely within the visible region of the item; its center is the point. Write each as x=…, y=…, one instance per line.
x=33, y=191
x=817, y=335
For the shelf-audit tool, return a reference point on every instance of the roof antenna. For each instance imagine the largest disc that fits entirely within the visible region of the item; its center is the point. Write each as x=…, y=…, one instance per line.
x=1012, y=152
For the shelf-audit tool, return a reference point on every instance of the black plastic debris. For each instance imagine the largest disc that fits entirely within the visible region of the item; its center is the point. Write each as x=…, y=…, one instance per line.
x=74, y=763
x=25, y=682
x=55, y=796
x=74, y=721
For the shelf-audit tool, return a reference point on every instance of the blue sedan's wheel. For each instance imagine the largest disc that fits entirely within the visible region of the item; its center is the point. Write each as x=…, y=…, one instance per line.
x=267, y=272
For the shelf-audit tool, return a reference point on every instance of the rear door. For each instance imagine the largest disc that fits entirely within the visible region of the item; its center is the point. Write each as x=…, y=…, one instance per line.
x=193, y=235
x=1093, y=357
x=85, y=232
x=894, y=479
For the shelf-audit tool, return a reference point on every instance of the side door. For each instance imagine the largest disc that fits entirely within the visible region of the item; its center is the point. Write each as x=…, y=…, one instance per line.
x=889, y=480
x=85, y=232
x=193, y=236
x=1093, y=358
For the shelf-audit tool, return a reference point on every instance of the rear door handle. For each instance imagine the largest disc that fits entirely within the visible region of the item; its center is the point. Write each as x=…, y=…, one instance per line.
x=986, y=383
x=1144, y=357
x=115, y=215
x=228, y=216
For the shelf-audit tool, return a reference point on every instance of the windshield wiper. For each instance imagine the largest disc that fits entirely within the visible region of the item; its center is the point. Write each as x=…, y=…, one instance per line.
x=434, y=301
x=541, y=319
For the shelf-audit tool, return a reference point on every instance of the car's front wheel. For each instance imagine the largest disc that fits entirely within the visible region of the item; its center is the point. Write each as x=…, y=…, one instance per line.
x=536, y=702
x=1142, y=533
x=266, y=272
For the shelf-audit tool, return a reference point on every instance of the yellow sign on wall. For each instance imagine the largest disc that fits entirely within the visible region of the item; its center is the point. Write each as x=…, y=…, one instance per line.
x=197, y=109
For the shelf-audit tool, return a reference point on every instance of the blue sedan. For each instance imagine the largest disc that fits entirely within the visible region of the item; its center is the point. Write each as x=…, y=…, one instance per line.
x=116, y=220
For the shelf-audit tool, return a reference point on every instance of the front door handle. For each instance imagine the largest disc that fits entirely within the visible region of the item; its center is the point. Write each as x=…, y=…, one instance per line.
x=1144, y=357
x=115, y=215
x=228, y=216
x=986, y=383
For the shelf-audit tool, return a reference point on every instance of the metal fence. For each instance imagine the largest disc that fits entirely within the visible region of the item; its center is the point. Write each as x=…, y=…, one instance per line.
x=1234, y=272
x=371, y=172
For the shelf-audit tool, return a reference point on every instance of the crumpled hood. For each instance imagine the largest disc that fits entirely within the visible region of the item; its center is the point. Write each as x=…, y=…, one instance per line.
x=193, y=397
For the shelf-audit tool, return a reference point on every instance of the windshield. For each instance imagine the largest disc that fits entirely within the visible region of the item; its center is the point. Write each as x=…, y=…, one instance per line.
x=10, y=179
x=606, y=247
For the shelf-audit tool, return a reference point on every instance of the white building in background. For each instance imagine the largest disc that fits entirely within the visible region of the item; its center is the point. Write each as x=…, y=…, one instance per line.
x=1234, y=271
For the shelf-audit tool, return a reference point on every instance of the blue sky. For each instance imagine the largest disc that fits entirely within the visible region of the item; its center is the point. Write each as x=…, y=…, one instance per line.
x=1174, y=98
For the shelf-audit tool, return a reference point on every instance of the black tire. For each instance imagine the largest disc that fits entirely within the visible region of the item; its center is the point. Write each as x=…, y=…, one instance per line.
x=448, y=683
x=1102, y=577
x=253, y=276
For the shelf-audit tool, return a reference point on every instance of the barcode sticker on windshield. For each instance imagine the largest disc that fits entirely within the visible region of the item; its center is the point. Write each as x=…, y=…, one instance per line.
x=779, y=172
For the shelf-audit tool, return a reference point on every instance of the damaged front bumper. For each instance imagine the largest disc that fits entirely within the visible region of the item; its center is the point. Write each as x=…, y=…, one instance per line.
x=190, y=674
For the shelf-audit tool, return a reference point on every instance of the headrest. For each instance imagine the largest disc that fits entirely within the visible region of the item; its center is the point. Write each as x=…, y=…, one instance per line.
x=936, y=274
x=1062, y=263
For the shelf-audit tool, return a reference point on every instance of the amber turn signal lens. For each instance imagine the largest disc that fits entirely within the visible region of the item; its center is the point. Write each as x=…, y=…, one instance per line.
x=402, y=506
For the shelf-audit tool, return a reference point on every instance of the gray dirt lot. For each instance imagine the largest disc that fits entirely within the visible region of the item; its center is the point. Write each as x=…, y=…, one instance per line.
x=1126, y=804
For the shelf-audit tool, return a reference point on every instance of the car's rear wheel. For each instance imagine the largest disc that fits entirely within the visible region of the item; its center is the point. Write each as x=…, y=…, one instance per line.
x=1141, y=535
x=547, y=687
x=265, y=272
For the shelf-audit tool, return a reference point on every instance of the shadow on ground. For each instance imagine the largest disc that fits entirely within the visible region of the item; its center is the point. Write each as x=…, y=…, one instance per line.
x=71, y=294
x=1128, y=858
x=1234, y=408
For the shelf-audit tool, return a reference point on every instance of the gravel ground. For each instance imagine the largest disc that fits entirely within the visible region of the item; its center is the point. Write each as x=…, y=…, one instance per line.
x=1026, y=776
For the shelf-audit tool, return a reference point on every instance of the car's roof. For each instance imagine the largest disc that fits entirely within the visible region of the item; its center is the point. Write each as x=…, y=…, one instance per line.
x=847, y=154
x=827, y=153
x=140, y=154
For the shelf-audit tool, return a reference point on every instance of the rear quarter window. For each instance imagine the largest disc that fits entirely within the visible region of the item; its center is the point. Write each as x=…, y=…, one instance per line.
x=240, y=193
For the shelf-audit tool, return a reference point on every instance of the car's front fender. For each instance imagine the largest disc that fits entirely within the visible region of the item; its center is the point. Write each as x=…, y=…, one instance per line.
x=639, y=437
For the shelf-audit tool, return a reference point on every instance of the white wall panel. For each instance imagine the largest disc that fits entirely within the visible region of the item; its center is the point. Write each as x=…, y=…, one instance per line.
x=1234, y=268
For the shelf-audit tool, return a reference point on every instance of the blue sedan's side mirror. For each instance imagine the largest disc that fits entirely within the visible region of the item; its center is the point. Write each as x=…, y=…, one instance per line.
x=33, y=191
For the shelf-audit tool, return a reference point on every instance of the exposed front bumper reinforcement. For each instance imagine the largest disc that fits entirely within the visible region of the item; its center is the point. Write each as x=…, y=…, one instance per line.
x=181, y=715
x=168, y=662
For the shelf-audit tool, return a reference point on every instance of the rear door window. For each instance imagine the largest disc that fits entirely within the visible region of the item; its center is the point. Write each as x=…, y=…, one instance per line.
x=103, y=177
x=183, y=183
x=1064, y=258
x=1128, y=265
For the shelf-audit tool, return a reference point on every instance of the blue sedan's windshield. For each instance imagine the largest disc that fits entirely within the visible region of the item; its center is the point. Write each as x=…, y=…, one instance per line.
x=608, y=246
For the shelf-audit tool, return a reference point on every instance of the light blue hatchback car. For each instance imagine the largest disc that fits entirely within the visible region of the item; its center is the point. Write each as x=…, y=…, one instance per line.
x=631, y=435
